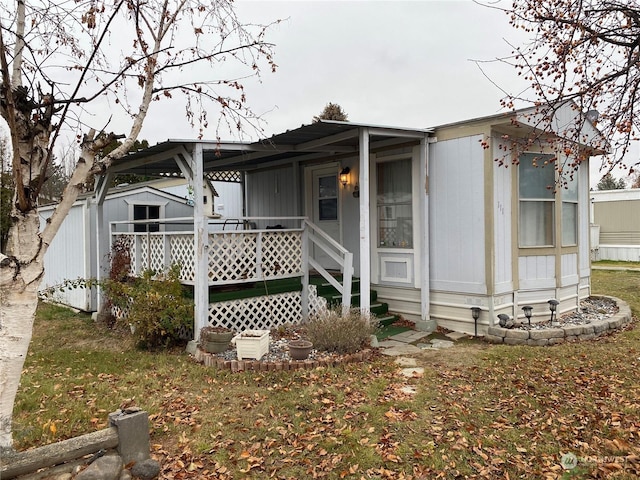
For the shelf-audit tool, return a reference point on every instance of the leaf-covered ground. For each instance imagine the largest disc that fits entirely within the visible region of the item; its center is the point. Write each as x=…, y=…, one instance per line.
x=479, y=411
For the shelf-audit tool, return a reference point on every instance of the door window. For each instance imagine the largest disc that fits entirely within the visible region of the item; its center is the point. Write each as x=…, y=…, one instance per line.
x=328, y=198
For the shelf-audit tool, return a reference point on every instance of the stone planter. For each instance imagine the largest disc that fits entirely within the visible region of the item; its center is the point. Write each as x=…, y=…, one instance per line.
x=300, y=349
x=215, y=342
x=252, y=344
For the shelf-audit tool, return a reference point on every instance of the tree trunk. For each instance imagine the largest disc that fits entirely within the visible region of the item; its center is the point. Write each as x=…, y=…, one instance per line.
x=18, y=311
x=20, y=276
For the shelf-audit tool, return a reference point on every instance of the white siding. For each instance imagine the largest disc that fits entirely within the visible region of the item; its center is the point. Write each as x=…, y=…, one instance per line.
x=502, y=214
x=229, y=202
x=537, y=272
x=270, y=193
x=456, y=210
x=569, y=269
x=68, y=256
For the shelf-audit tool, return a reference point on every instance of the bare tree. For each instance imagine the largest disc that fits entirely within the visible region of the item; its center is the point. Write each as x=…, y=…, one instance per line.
x=587, y=53
x=60, y=62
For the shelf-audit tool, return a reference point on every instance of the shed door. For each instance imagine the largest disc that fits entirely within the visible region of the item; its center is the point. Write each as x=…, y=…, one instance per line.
x=323, y=207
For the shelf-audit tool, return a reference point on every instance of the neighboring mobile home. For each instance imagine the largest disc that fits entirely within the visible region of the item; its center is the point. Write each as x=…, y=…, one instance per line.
x=616, y=221
x=426, y=218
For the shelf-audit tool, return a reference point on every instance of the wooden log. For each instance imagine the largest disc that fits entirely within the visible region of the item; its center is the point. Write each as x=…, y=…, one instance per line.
x=57, y=453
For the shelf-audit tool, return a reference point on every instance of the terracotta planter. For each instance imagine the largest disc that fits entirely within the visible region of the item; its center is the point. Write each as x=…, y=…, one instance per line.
x=300, y=349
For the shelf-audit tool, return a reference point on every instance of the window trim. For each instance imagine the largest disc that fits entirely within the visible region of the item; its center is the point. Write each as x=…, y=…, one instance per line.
x=162, y=214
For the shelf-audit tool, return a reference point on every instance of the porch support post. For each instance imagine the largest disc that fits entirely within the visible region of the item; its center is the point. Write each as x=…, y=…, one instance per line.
x=102, y=185
x=426, y=324
x=201, y=244
x=365, y=244
x=304, y=295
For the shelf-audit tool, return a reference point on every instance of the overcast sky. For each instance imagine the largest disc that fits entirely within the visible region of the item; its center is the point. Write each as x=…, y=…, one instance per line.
x=388, y=63
x=397, y=63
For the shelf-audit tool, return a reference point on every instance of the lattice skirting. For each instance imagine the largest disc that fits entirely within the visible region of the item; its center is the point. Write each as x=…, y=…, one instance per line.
x=254, y=313
x=265, y=312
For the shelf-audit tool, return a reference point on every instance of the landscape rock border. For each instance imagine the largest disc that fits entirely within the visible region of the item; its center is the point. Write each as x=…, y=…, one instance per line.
x=212, y=360
x=561, y=334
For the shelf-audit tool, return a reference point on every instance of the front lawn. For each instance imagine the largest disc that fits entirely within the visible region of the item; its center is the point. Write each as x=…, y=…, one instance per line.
x=479, y=411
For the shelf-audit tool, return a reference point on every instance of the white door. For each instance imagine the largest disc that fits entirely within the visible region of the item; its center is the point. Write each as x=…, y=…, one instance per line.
x=323, y=207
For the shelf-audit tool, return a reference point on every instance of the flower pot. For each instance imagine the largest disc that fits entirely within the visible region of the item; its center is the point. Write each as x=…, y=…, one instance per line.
x=252, y=344
x=215, y=342
x=300, y=349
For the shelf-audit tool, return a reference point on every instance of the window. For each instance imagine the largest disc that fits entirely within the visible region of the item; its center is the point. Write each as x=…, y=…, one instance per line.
x=536, y=182
x=570, y=211
x=328, y=197
x=146, y=212
x=395, y=211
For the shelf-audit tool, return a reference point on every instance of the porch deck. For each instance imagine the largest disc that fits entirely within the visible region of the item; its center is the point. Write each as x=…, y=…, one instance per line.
x=237, y=253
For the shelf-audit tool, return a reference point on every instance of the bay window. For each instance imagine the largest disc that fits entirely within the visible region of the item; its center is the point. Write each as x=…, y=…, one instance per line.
x=536, y=181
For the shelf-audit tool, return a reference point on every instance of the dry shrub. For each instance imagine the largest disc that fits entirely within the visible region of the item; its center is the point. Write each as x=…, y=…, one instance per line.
x=333, y=332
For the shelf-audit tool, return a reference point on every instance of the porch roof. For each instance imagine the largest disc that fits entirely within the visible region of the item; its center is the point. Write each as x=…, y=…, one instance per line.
x=306, y=143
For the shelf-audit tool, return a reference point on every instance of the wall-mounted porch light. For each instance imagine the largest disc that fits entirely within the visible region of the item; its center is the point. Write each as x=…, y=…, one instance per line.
x=344, y=176
x=528, y=310
x=475, y=314
x=553, y=306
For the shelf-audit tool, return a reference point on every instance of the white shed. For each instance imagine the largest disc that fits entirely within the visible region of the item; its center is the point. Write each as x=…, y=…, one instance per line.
x=74, y=252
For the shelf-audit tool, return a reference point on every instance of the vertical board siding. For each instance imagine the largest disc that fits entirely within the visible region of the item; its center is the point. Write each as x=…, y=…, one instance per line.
x=502, y=194
x=456, y=211
x=66, y=258
x=569, y=269
x=537, y=272
x=270, y=194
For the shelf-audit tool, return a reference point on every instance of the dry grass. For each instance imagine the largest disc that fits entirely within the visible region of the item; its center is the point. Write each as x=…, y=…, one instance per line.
x=479, y=411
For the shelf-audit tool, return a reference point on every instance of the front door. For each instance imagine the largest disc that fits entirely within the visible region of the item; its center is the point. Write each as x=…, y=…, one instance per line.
x=323, y=206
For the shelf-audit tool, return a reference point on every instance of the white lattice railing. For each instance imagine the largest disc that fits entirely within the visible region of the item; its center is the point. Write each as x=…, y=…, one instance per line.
x=237, y=256
x=237, y=253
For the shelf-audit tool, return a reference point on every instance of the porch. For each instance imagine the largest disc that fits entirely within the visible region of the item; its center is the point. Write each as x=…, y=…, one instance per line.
x=246, y=251
x=240, y=256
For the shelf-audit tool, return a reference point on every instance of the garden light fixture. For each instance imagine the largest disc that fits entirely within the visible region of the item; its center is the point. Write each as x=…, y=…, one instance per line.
x=553, y=306
x=528, y=310
x=475, y=314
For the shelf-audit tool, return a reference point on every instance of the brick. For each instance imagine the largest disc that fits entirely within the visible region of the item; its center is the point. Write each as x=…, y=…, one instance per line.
x=497, y=331
x=522, y=334
x=587, y=329
x=546, y=334
x=515, y=341
x=556, y=341
x=573, y=330
x=587, y=336
x=600, y=326
x=540, y=342
x=493, y=339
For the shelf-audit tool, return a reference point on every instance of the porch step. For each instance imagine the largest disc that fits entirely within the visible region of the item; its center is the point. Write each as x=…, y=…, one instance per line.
x=336, y=298
x=379, y=309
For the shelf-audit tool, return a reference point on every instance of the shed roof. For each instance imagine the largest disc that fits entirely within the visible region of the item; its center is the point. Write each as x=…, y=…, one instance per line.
x=306, y=143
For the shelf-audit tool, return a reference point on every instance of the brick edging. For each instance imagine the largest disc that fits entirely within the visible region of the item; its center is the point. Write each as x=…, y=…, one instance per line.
x=569, y=333
x=212, y=360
